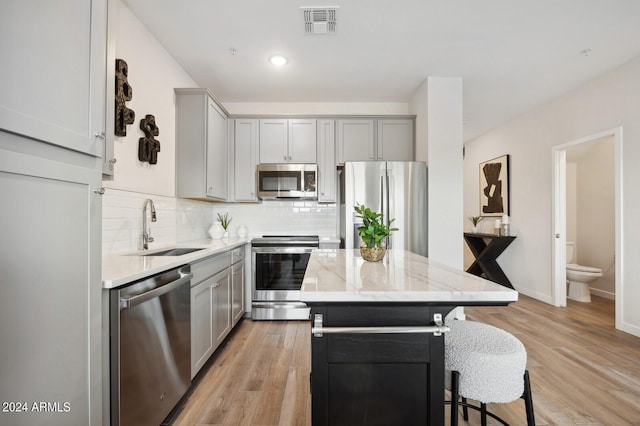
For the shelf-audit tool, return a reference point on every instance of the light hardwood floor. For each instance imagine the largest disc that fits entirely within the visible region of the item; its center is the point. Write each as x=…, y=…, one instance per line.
x=582, y=370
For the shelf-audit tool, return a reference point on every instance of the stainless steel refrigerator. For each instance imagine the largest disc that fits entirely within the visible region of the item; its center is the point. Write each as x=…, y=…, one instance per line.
x=397, y=190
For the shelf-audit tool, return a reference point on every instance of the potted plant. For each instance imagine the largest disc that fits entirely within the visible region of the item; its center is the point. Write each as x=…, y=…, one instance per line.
x=373, y=233
x=475, y=220
x=225, y=220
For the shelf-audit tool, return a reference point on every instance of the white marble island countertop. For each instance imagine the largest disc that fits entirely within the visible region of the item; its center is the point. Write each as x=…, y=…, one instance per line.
x=401, y=277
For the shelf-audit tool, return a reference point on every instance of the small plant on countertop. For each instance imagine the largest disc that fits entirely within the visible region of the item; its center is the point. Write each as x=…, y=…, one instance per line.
x=224, y=220
x=373, y=230
x=475, y=220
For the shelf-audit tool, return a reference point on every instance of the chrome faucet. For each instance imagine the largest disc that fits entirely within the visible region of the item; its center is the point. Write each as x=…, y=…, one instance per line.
x=146, y=239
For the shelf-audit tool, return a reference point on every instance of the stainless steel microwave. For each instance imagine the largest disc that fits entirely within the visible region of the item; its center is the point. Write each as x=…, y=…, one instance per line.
x=282, y=181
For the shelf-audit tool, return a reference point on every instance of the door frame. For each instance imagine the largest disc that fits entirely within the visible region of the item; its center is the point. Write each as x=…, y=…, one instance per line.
x=559, y=225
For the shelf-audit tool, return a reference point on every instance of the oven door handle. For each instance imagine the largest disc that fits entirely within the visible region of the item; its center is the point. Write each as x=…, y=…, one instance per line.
x=283, y=249
x=126, y=303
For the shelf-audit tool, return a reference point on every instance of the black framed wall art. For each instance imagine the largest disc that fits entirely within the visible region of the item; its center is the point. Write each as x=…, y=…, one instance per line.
x=494, y=187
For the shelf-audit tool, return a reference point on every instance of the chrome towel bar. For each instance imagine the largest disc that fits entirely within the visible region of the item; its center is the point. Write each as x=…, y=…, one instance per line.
x=437, y=329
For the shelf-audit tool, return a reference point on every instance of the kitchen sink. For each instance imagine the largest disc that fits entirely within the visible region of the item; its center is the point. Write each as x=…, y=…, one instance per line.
x=178, y=251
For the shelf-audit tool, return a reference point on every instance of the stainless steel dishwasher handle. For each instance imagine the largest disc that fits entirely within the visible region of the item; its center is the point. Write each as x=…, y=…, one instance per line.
x=437, y=329
x=136, y=300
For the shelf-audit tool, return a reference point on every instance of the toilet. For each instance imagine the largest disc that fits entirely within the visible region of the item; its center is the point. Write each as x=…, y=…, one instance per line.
x=579, y=276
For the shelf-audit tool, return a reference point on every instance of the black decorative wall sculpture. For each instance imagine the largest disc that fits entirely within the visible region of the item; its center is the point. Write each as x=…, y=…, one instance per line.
x=148, y=146
x=124, y=92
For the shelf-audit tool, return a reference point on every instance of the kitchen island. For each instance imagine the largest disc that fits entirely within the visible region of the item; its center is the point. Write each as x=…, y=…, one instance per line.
x=377, y=350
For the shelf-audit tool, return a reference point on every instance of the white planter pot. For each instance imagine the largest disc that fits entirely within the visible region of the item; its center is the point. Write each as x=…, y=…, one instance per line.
x=216, y=231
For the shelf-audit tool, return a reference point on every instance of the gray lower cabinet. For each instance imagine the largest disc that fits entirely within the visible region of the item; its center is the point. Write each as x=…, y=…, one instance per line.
x=217, y=302
x=50, y=308
x=237, y=284
x=210, y=289
x=222, y=305
x=201, y=324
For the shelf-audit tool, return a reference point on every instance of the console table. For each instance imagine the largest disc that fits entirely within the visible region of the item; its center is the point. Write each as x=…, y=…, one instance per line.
x=377, y=345
x=486, y=248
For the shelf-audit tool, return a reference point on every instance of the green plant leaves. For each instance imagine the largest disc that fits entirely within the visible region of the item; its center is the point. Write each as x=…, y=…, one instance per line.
x=224, y=220
x=475, y=220
x=373, y=231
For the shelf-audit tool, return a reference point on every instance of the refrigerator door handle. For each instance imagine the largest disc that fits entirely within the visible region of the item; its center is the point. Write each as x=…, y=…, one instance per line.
x=382, y=194
x=384, y=200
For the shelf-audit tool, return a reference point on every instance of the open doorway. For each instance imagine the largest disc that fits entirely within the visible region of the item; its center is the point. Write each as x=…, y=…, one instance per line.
x=604, y=248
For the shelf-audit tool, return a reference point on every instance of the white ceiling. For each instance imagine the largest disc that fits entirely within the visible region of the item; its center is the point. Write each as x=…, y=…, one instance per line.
x=512, y=54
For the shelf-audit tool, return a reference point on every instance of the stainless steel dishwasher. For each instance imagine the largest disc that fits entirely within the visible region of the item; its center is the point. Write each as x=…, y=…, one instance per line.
x=150, y=325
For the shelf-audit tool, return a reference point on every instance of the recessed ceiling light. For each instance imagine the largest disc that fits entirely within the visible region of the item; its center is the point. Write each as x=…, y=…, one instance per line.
x=278, y=60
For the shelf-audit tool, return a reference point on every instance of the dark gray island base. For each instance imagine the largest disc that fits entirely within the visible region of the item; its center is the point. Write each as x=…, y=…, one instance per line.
x=377, y=355
x=378, y=378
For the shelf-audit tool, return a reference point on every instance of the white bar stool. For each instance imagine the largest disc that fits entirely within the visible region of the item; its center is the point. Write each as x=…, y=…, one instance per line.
x=485, y=364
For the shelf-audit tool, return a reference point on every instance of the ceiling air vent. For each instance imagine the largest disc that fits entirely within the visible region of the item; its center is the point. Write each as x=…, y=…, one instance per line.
x=319, y=20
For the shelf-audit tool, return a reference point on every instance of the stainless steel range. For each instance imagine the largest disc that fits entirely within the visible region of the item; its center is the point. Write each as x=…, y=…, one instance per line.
x=278, y=265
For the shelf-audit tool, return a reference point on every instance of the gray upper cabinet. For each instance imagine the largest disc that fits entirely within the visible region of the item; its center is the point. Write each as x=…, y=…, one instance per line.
x=302, y=141
x=109, y=160
x=389, y=139
x=395, y=140
x=356, y=140
x=217, y=186
x=288, y=141
x=245, y=159
x=53, y=80
x=273, y=141
x=201, y=146
x=326, y=161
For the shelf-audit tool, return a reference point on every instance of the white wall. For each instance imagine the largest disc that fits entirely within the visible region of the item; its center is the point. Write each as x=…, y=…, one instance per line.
x=606, y=102
x=444, y=150
x=419, y=107
x=572, y=202
x=317, y=109
x=596, y=213
x=437, y=105
x=153, y=74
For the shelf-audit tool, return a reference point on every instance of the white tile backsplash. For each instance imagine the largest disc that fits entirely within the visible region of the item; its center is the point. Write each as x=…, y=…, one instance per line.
x=281, y=217
x=122, y=221
x=180, y=220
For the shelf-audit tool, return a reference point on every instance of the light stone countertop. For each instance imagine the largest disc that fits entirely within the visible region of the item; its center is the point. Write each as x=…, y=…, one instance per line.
x=402, y=276
x=120, y=269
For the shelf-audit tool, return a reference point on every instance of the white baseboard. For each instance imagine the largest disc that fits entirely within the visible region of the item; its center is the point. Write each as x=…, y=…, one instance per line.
x=602, y=293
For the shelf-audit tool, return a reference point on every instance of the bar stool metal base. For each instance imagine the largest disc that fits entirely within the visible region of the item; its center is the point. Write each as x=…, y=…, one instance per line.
x=456, y=403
